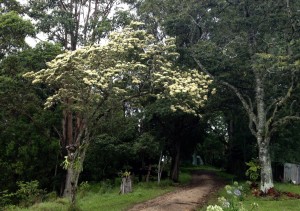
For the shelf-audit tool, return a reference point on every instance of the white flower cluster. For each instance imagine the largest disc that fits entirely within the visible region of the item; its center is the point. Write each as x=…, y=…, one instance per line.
x=232, y=202
x=131, y=63
x=214, y=208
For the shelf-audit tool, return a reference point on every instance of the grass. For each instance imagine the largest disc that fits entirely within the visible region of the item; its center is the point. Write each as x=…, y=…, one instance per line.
x=265, y=203
x=108, y=201
x=283, y=203
x=268, y=204
x=219, y=172
x=103, y=196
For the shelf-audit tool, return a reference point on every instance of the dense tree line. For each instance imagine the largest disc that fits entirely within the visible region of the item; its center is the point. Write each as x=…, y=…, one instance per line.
x=143, y=95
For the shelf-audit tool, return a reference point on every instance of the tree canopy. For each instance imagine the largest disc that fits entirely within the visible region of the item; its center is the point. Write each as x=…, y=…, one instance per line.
x=123, y=85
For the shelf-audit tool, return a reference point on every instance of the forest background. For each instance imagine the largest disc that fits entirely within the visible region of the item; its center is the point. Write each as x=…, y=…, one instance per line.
x=250, y=49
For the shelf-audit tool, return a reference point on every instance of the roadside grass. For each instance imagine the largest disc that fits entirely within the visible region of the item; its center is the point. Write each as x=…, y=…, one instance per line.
x=112, y=201
x=109, y=200
x=104, y=196
x=219, y=172
x=265, y=203
x=270, y=204
x=282, y=203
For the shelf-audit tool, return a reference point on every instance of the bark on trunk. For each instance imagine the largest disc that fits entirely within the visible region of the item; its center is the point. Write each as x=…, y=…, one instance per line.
x=263, y=137
x=148, y=173
x=71, y=184
x=76, y=156
x=266, y=181
x=160, y=168
x=67, y=126
x=175, y=163
x=69, y=174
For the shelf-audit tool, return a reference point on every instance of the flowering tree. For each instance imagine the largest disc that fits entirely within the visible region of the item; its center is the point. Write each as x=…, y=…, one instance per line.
x=132, y=64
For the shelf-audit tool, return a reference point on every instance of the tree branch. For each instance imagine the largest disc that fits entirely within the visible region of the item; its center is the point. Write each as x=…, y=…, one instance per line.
x=63, y=6
x=280, y=102
x=247, y=107
x=282, y=121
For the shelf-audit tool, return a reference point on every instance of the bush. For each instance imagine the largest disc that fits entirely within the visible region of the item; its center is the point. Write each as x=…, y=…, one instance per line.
x=52, y=196
x=29, y=193
x=83, y=188
x=253, y=171
x=106, y=186
x=6, y=198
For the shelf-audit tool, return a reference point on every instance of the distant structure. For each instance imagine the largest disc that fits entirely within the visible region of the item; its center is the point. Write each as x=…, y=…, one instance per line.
x=292, y=173
x=197, y=160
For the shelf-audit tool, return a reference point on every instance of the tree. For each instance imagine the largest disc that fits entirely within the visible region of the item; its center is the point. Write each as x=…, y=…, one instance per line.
x=132, y=64
x=29, y=148
x=13, y=30
x=267, y=63
x=76, y=23
x=251, y=49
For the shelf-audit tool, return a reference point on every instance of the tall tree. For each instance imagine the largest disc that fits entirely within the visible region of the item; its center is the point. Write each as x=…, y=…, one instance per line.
x=29, y=148
x=269, y=59
x=13, y=31
x=76, y=23
x=73, y=24
x=131, y=65
x=250, y=48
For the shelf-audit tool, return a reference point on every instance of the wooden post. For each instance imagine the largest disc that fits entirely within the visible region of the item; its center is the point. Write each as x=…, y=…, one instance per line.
x=126, y=185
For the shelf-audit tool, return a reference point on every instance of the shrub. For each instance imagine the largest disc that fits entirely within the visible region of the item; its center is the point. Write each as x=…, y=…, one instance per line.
x=83, y=188
x=106, y=187
x=6, y=198
x=253, y=171
x=29, y=193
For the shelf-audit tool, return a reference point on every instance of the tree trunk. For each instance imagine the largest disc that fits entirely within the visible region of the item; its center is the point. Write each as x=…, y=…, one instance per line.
x=175, y=163
x=69, y=175
x=76, y=156
x=67, y=127
x=126, y=185
x=263, y=138
x=71, y=184
x=160, y=168
x=148, y=173
x=266, y=181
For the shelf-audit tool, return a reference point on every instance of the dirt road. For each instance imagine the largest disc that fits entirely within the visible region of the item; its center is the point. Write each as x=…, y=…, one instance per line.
x=187, y=198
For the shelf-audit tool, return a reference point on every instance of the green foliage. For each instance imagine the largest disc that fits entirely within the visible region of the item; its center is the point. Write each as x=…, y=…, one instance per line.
x=83, y=189
x=104, y=196
x=74, y=164
x=66, y=164
x=124, y=174
x=13, y=30
x=29, y=145
x=10, y=5
x=253, y=170
x=93, y=80
x=29, y=192
x=286, y=137
x=147, y=146
x=7, y=198
x=58, y=19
